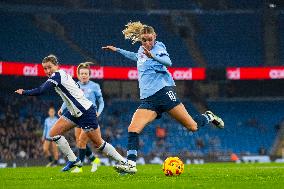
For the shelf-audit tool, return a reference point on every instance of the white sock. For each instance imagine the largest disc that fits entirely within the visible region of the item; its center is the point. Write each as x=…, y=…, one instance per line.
x=111, y=152
x=207, y=117
x=64, y=147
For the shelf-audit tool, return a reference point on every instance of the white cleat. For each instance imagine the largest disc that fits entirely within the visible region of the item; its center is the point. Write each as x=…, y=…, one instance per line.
x=94, y=167
x=77, y=170
x=124, y=168
x=215, y=120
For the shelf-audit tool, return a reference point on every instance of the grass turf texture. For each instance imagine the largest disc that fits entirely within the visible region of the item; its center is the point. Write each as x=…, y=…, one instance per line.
x=149, y=176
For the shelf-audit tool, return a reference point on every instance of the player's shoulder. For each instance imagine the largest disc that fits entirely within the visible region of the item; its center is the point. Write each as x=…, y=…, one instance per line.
x=94, y=84
x=58, y=74
x=160, y=44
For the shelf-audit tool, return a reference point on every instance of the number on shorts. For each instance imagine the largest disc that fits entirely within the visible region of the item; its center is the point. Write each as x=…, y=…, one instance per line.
x=172, y=96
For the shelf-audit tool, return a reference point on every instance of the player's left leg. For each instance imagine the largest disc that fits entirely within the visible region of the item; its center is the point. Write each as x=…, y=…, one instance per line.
x=46, y=145
x=106, y=148
x=181, y=115
x=55, y=153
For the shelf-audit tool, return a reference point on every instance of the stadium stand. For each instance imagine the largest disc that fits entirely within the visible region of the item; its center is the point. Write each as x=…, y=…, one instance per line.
x=241, y=41
x=237, y=43
x=281, y=38
x=32, y=44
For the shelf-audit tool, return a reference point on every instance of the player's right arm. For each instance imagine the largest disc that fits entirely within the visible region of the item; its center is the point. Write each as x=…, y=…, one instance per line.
x=53, y=81
x=127, y=54
x=37, y=91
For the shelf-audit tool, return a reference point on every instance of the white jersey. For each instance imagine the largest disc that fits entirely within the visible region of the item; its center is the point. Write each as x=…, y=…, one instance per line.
x=70, y=93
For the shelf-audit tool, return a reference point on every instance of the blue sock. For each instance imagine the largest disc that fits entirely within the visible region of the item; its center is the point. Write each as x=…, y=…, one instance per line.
x=82, y=154
x=201, y=120
x=132, y=147
x=89, y=153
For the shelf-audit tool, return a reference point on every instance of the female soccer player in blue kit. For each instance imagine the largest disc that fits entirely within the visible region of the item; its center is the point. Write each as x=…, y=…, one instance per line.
x=93, y=93
x=81, y=112
x=157, y=92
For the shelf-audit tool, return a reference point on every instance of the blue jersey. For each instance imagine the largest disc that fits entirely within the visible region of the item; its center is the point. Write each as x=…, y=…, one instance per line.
x=48, y=123
x=153, y=74
x=92, y=92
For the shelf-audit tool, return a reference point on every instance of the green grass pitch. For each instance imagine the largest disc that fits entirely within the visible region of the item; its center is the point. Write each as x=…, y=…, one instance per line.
x=268, y=175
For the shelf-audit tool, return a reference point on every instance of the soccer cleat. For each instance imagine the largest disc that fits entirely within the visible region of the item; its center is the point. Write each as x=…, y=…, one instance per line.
x=71, y=164
x=77, y=170
x=215, y=120
x=124, y=168
x=94, y=166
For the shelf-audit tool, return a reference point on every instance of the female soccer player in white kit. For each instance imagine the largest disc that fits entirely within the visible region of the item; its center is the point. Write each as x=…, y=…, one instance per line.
x=157, y=92
x=81, y=112
x=93, y=92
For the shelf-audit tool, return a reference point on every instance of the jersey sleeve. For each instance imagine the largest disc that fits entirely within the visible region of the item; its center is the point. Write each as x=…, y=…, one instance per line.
x=162, y=56
x=38, y=91
x=128, y=54
x=162, y=50
x=44, y=129
x=55, y=78
x=100, y=99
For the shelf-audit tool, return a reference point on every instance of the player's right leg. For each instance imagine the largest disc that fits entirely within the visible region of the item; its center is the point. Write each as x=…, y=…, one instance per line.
x=139, y=120
x=46, y=145
x=63, y=125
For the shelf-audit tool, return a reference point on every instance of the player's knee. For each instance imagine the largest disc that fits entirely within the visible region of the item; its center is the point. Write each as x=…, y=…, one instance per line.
x=52, y=133
x=81, y=143
x=45, y=150
x=98, y=144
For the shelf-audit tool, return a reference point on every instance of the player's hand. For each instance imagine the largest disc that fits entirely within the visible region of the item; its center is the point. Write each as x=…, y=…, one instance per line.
x=147, y=52
x=19, y=91
x=97, y=114
x=109, y=47
x=59, y=113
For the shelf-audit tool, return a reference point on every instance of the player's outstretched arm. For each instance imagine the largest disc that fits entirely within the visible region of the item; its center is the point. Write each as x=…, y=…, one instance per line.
x=36, y=91
x=126, y=54
x=109, y=47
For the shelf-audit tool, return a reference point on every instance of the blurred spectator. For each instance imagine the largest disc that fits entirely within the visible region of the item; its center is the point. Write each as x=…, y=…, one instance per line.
x=160, y=133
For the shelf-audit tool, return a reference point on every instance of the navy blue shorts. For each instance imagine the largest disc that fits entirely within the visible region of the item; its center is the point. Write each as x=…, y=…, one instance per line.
x=87, y=121
x=162, y=101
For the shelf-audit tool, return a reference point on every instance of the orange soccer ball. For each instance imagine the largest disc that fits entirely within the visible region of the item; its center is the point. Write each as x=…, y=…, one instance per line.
x=173, y=166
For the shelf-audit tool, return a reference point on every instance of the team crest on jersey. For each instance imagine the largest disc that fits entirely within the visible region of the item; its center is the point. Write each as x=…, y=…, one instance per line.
x=142, y=58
